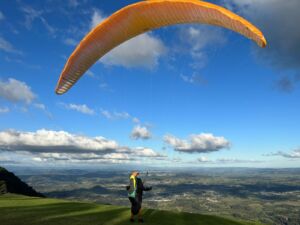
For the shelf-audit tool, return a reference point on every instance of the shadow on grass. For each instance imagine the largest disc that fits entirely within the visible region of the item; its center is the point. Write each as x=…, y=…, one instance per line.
x=62, y=213
x=170, y=218
x=73, y=213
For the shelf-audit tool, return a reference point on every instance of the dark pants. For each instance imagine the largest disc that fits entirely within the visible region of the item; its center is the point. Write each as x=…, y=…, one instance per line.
x=135, y=205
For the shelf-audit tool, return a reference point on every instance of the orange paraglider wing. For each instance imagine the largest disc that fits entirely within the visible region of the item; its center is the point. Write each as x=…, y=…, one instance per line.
x=141, y=17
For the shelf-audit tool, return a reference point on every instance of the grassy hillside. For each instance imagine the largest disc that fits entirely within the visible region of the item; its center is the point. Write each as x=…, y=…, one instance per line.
x=17, y=209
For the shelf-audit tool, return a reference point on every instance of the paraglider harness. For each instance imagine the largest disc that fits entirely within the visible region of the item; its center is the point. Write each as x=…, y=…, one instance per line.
x=132, y=187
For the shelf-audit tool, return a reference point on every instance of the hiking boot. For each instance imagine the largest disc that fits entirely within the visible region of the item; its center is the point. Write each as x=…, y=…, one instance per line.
x=141, y=220
x=131, y=220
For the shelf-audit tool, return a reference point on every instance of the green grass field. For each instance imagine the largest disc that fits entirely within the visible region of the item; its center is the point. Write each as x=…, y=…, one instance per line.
x=21, y=210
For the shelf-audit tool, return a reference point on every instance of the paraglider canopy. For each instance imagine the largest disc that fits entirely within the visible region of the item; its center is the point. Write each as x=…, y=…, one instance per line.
x=141, y=17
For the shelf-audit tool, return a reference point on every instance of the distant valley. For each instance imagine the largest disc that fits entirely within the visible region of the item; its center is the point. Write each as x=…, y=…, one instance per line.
x=267, y=195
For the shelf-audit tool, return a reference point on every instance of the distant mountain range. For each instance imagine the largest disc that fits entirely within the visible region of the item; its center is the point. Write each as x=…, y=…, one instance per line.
x=10, y=183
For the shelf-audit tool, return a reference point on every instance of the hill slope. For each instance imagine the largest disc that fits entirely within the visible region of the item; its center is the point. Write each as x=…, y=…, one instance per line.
x=16, y=209
x=10, y=183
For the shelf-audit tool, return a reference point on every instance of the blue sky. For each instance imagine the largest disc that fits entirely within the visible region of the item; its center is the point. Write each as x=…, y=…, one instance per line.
x=178, y=96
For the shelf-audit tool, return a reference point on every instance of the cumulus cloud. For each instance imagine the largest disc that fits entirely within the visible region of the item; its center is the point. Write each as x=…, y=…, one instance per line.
x=140, y=132
x=197, y=143
x=141, y=51
x=53, y=141
x=16, y=91
x=4, y=110
x=278, y=20
x=79, y=108
x=48, y=145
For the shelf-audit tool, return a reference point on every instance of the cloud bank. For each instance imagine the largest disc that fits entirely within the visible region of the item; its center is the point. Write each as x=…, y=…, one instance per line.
x=48, y=145
x=295, y=154
x=227, y=161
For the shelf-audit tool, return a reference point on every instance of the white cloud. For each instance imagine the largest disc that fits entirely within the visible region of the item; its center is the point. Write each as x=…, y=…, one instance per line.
x=198, y=40
x=114, y=115
x=141, y=51
x=200, y=143
x=47, y=145
x=135, y=120
x=140, y=132
x=48, y=27
x=194, y=79
x=97, y=18
x=227, y=161
x=80, y=157
x=42, y=107
x=53, y=141
x=8, y=47
x=237, y=161
x=147, y=152
x=79, y=108
x=204, y=160
x=32, y=14
x=4, y=110
x=106, y=114
x=202, y=36
x=16, y=91
x=90, y=73
x=295, y=154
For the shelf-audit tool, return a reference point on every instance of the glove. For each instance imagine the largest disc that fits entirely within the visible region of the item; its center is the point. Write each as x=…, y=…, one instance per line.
x=127, y=188
x=150, y=188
